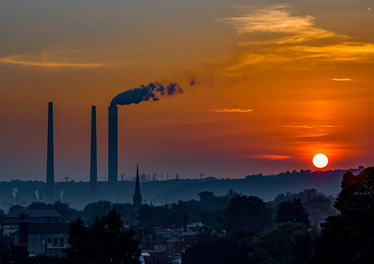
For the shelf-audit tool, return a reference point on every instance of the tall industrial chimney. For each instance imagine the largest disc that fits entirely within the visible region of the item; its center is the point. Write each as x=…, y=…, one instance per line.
x=93, y=161
x=50, y=156
x=113, y=146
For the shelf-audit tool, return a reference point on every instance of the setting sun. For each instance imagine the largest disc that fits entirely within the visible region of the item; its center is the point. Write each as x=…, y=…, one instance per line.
x=320, y=161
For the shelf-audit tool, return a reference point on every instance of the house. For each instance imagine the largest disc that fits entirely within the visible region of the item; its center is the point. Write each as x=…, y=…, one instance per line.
x=180, y=241
x=10, y=222
x=39, y=231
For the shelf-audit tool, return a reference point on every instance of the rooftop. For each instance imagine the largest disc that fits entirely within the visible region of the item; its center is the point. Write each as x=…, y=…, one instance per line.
x=35, y=214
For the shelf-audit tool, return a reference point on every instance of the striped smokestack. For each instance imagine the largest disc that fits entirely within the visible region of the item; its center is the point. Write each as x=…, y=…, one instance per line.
x=93, y=161
x=113, y=146
x=50, y=157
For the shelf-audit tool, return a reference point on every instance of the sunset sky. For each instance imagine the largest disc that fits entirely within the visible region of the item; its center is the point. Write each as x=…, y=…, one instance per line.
x=267, y=85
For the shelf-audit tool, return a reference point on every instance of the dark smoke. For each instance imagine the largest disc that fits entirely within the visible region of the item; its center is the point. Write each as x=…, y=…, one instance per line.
x=151, y=92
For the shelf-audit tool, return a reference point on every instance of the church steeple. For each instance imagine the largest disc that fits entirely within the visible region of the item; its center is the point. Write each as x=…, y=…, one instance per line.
x=137, y=199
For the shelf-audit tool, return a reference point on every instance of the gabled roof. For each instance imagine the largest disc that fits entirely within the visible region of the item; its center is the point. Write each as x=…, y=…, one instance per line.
x=48, y=228
x=35, y=214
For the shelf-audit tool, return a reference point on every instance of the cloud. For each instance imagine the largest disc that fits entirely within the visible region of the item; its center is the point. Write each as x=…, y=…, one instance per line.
x=295, y=38
x=20, y=60
x=271, y=157
x=341, y=80
x=347, y=51
x=307, y=126
x=277, y=20
x=237, y=110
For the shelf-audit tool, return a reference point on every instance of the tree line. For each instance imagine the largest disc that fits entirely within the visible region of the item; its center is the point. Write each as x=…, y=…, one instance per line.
x=239, y=228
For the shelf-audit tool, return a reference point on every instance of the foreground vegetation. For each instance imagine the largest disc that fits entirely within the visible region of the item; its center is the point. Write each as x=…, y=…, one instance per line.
x=237, y=228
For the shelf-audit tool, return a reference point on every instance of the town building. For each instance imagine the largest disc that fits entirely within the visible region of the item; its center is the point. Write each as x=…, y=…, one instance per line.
x=38, y=231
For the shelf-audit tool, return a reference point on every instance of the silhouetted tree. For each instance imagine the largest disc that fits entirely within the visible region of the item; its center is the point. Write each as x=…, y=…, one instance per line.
x=19, y=255
x=247, y=213
x=102, y=242
x=5, y=242
x=347, y=238
x=292, y=212
x=357, y=191
x=287, y=243
x=212, y=249
x=36, y=206
x=15, y=208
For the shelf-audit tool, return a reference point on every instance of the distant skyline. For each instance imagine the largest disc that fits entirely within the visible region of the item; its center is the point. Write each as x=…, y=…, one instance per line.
x=267, y=85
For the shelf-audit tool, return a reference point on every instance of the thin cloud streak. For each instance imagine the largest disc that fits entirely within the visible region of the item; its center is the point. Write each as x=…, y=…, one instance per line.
x=16, y=59
x=347, y=51
x=341, y=80
x=271, y=157
x=237, y=110
x=306, y=126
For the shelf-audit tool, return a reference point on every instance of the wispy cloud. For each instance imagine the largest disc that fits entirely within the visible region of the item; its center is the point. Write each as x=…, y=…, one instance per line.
x=347, y=51
x=277, y=20
x=236, y=110
x=296, y=38
x=271, y=157
x=20, y=60
x=341, y=80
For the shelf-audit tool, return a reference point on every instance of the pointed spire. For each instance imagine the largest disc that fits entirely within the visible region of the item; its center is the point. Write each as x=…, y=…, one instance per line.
x=137, y=198
x=137, y=185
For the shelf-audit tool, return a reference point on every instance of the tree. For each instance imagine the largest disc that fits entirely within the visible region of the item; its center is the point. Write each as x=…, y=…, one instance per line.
x=36, y=206
x=247, y=213
x=357, y=191
x=102, y=242
x=4, y=249
x=292, y=212
x=347, y=238
x=212, y=249
x=15, y=208
x=287, y=243
x=99, y=208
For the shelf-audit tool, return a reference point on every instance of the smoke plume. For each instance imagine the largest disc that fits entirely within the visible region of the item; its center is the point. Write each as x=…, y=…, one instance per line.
x=37, y=195
x=62, y=193
x=150, y=92
x=14, y=193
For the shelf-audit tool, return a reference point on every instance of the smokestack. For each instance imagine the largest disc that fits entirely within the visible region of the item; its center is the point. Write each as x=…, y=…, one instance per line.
x=93, y=162
x=50, y=156
x=113, y=146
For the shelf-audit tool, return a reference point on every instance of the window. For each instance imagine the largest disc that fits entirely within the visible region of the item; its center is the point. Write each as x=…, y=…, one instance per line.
x=62, y=242
x=49, y=240
x=55, y=241
x=48, y=220
x=56, y=220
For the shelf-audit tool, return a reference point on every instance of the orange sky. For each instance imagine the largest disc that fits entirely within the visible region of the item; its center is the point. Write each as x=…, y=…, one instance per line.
x=274, y=84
